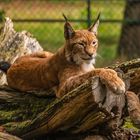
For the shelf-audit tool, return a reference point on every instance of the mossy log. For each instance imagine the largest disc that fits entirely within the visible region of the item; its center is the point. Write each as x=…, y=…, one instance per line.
x=31, y=114
x=89, y=107
x=80, y=110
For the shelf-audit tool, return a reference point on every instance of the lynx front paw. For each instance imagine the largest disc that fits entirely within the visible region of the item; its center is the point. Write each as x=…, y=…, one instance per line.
x=117, y=85
x=111, y=79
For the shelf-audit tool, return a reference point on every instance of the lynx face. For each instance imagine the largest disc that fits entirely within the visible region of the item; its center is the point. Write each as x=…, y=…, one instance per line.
x=81, y=45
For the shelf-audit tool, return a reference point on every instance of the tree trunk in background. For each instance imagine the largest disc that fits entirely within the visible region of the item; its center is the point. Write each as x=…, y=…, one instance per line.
x=129, y=46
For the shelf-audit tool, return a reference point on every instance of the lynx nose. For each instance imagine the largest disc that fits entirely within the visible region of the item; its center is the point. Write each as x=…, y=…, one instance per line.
x=89, y=51
x=90, y=54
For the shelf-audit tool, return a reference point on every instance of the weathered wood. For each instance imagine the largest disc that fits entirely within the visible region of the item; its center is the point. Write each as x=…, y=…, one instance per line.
x=31, y=116
x=6, y=136
x=119, y=134
x=28, y=116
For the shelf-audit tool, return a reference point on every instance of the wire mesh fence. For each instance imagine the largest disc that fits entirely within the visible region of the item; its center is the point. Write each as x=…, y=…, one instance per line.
x=43, y=18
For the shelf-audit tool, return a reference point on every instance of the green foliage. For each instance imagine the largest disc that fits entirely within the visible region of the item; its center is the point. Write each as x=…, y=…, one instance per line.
x=129, y=125
x=5, y=1
x=50, y=35
x=2, y=15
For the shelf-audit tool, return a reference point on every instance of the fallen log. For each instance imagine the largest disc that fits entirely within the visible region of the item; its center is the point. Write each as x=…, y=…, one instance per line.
x=26, y=115
x=87, y=108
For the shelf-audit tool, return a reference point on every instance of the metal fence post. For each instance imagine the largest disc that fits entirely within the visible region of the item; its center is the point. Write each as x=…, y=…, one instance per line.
x=88, y=13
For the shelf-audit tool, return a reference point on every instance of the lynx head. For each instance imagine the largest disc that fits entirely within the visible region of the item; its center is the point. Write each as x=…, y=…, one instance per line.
x=81, y=45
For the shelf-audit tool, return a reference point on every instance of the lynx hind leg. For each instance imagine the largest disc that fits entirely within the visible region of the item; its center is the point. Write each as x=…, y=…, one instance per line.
x=43, y=54
x=110, y=78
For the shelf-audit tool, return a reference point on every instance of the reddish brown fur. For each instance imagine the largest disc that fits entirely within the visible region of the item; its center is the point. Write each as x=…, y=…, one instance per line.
x=64, y=70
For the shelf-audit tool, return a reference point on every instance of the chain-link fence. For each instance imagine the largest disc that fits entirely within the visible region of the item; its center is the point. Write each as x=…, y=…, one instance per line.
x=43, y=18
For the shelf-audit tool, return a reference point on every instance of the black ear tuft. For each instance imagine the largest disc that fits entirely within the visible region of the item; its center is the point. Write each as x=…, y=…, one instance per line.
x=94, y=27
x=68, y=30
x=65, y=17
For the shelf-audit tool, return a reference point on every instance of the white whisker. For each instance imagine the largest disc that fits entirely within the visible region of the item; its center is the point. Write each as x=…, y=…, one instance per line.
x=99, y=56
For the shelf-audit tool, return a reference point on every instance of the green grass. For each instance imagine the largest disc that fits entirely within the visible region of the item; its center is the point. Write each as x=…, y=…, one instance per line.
x=50, y=35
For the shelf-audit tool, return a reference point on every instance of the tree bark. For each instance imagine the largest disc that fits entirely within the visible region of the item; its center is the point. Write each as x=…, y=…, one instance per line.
x=26, y=115
x=129, y=46
x=5, y=136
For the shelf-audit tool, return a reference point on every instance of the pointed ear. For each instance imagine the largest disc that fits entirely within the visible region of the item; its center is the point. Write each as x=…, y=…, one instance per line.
x=68, y=30
x=94, y=27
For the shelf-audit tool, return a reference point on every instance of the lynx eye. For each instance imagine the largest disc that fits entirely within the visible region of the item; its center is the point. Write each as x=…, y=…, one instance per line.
x=94, y=42
x=81, y=44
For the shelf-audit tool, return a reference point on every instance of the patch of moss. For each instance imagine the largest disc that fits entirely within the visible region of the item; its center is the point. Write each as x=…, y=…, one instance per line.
x=16, y=126
x=129, y=125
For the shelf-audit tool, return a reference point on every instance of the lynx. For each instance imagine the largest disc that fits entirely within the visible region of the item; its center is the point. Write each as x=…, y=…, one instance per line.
x=64, y=70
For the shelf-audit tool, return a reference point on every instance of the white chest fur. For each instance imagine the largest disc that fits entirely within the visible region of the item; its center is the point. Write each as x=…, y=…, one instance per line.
x=87, y=67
